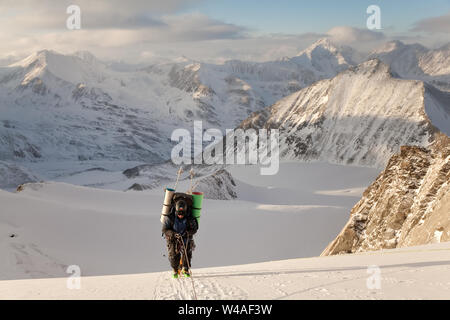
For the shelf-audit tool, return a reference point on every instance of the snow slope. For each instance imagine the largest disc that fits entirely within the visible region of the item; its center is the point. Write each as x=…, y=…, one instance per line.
x=73, y=107
x=111, y=232
x=410, y=273
x=362, y=116
x=414, y=61
x=13, y=175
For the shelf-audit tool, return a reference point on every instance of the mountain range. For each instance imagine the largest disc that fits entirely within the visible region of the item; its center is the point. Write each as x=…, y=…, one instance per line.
x=362, y=116
x=56, y=107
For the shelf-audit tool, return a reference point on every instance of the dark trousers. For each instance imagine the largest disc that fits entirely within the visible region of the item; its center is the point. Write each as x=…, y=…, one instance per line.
x=176, y=253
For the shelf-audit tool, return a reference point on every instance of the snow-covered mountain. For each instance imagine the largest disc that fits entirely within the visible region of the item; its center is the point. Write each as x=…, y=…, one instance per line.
x=75, y=107
x=362, y=116
x=414, y=61
x=60, y=107
x=56, y=107
x=237, y=88
x=407, y=205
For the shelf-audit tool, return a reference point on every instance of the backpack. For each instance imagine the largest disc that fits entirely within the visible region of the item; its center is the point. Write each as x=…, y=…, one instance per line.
x=166, y=218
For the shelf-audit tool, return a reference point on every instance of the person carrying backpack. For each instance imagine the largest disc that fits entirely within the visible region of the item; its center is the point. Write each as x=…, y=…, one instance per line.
x=179, y=230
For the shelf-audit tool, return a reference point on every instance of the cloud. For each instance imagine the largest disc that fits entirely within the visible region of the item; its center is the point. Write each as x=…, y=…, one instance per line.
x=110, y=21
x=144, y=30
x=99, y=6
x=350, y=35
x=195, y=27
x=123, y=41
x=439, y=24
x=43, y=15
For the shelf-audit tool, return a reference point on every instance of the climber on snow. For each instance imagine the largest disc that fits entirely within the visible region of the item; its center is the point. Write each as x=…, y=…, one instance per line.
x=179, y=229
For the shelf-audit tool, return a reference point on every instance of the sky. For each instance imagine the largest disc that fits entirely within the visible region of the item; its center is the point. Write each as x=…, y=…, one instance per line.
x=294, y=16
x=213, y=30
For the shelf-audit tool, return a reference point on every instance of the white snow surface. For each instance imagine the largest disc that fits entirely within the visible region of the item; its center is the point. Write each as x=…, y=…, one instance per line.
x=106, y=232
x=250, y=248
x=421, y=272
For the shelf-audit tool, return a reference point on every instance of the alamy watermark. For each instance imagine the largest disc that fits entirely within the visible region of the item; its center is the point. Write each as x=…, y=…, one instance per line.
x=373, y=282
x=374, y=20
x=73, y=22
x=241, y=147
x=74, y=280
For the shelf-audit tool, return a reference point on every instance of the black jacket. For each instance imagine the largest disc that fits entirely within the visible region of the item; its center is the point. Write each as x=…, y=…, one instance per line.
x=191, y=224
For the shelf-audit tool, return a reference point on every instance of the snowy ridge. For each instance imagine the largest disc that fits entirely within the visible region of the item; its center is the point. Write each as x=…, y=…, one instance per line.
x=241, y=87
x=13, y=175
x=362, y=116
x=414, y=61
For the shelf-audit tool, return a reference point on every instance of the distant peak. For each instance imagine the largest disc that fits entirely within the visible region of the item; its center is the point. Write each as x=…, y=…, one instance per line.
x=47, y=57
x=182, y=58
x=396, y=45
x=85, y=55
x=323, y=47
x=374, y=66
x=42, y=56
x=329, y=45
x=390, y=46
x=46, y=52
x=323, y=42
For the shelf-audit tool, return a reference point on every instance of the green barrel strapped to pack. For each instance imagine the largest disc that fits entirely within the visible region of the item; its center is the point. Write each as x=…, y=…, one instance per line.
x=197, y=201
x=194, y=201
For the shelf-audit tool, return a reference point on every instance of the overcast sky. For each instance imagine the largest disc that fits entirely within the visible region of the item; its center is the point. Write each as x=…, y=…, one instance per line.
x=213, y=30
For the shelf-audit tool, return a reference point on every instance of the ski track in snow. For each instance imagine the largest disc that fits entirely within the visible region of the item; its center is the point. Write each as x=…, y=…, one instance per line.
x=421, y=272
x=206, y=288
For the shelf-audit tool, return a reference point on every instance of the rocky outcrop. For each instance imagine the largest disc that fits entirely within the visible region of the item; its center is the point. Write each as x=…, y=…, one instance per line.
x=408, y=204
x=218, y=186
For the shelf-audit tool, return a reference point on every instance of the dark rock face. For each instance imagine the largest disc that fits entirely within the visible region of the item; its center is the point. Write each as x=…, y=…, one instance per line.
x=139, y=187
x=408, y=204
x=219, y=186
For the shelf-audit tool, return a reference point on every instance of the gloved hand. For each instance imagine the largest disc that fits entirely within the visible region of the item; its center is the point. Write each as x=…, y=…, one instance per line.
x=170, y=235
x=177, y=236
